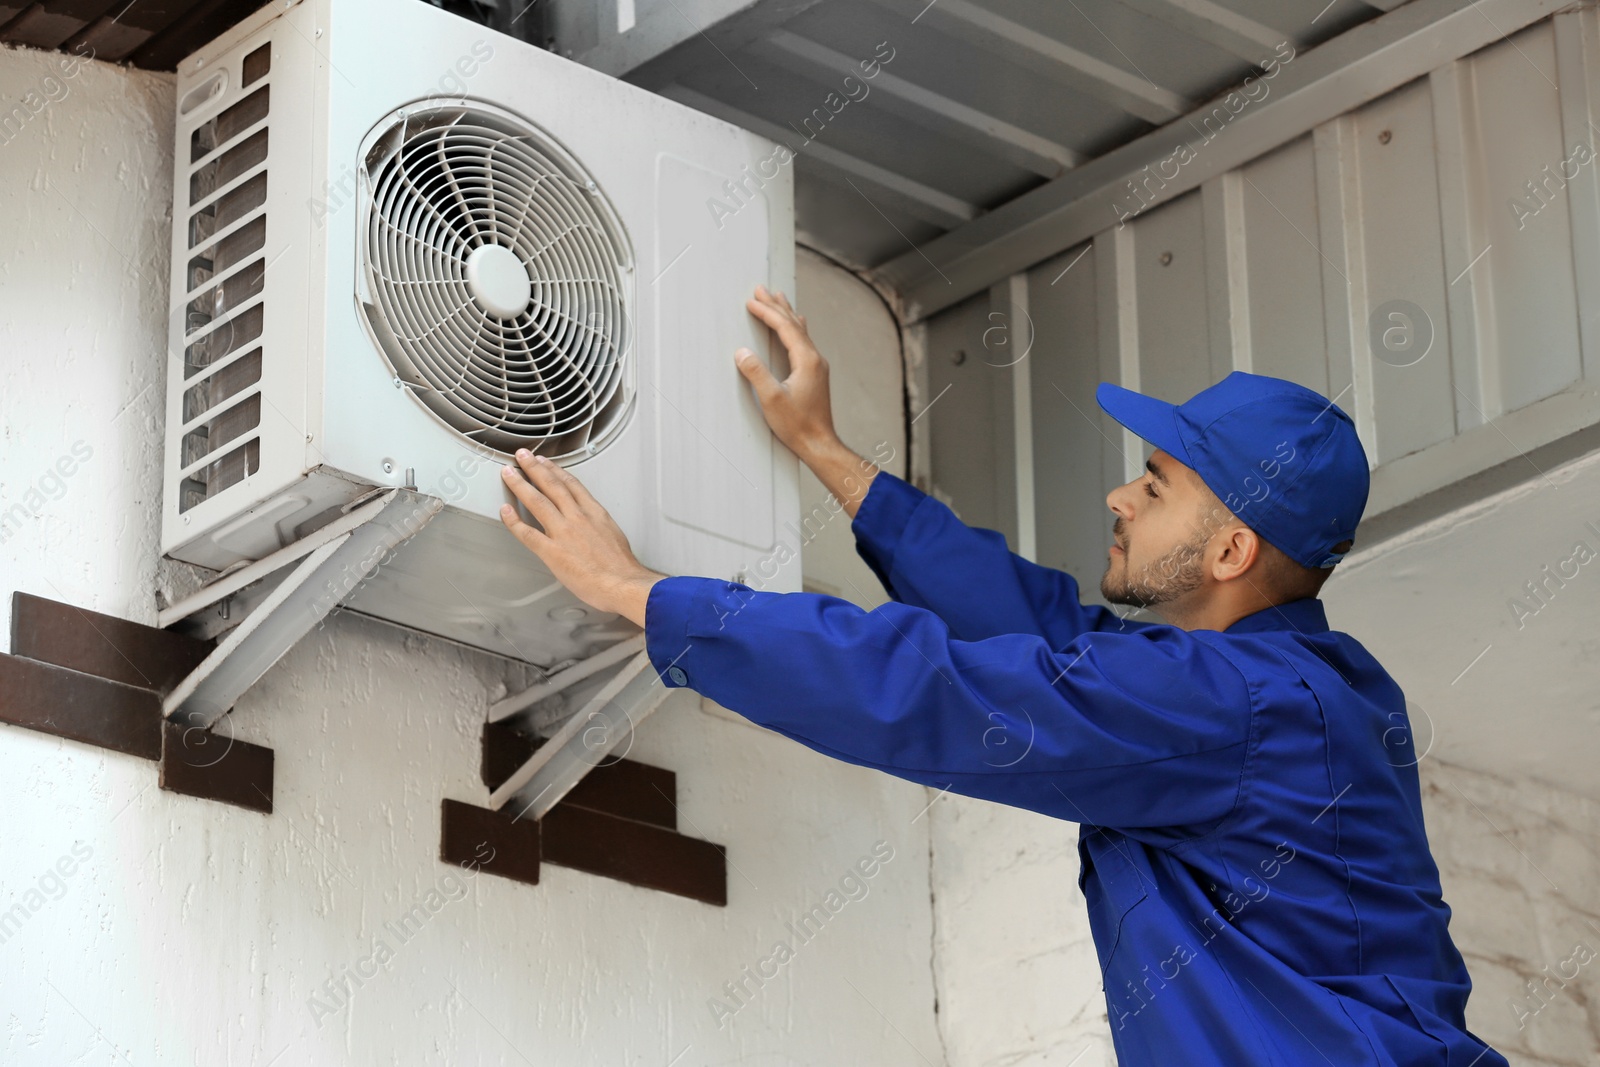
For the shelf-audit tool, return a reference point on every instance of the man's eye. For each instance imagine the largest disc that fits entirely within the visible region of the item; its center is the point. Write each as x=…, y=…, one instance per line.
x=1149, y=490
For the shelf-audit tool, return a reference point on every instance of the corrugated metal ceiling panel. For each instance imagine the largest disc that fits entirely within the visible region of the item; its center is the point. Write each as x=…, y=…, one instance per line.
x=156, y=34
x=980, y=102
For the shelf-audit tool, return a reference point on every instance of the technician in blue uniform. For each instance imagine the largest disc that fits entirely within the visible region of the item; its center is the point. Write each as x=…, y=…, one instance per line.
x=1253, y=855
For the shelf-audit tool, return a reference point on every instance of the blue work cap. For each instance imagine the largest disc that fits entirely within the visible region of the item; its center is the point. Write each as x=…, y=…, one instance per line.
x=1283, y=458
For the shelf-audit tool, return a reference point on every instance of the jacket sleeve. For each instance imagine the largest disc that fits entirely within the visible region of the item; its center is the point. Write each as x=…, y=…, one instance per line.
x=926, y=557
x=1138, y=729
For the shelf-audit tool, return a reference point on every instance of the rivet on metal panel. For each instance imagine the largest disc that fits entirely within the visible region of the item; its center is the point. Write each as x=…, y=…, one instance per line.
x=1166, y=259
x=960, y=357
x=1385, y=137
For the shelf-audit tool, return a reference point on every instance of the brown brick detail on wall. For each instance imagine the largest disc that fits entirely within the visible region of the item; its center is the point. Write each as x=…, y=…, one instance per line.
x=504, y=750
x=491, y=841
x=102, y=645
x=213, y=765
x=81, y=707
x=631, y=790
x=635, y=852
x=622, y=787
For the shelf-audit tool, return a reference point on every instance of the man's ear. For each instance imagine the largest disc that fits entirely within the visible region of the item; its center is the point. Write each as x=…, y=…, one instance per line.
x=1238, y=546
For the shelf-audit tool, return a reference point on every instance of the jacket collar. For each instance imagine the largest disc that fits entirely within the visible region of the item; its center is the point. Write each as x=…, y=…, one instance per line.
x=1305, y=616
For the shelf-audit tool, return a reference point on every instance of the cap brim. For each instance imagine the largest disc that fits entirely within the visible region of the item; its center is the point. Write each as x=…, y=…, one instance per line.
x=1154, y=420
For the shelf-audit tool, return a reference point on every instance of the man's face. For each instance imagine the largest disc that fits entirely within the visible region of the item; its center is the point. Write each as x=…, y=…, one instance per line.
x=1161, y=534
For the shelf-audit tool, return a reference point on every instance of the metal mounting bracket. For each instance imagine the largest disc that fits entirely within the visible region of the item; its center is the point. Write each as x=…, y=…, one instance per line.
x=518, y=703
x=331, y=563
x=585, y=740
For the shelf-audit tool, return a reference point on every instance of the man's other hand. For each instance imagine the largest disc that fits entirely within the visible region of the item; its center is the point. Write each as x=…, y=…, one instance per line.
x=576, y=538
x=798, y=408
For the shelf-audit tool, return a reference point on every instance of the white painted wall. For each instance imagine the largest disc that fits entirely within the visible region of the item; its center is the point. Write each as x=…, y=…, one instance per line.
x=1520, y=863
x=164, y=929
x=1018, y=978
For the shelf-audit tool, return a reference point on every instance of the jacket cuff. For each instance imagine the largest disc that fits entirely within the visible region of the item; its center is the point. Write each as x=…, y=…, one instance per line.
x=881, y=521
x=678, y=606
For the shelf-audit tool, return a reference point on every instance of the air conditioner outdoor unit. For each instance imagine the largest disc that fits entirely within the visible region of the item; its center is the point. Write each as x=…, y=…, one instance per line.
x=403, y=247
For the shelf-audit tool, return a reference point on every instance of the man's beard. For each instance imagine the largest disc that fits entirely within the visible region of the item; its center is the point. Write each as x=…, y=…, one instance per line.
x=1178, y=573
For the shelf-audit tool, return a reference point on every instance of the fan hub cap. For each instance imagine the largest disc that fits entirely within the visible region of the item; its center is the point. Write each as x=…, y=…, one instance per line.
x=498, y=281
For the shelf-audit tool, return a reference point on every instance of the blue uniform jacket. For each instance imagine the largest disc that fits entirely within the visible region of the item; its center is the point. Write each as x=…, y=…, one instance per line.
x=1253, y=855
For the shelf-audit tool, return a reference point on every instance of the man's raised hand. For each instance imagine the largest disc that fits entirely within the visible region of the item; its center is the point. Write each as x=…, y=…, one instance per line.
x=798, y=409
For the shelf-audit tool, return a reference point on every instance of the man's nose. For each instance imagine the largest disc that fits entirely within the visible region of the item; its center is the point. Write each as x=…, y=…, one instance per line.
x=1118, y=500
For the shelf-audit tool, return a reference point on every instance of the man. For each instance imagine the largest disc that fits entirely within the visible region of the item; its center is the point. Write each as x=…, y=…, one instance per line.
x=1253, y=855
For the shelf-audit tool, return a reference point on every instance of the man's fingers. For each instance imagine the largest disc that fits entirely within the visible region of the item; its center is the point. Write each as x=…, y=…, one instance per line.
x=546, y=477
x=538, y=505
x=535, y=540
x=580, y=492
x=770, y=305
x=791, y=332
x=756, y=373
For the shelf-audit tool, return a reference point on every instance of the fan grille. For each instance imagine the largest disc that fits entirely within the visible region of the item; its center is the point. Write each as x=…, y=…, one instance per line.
x=496, y=278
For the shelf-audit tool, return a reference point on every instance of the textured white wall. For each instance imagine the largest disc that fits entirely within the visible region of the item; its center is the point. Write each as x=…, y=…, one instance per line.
x=156, y=928
x=1521, y=865
x=85, y=184
x=1018, y=978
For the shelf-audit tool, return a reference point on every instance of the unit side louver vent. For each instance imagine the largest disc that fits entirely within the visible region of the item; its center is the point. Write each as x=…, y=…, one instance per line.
x=222, y=311
x=497, y=280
